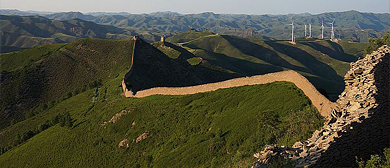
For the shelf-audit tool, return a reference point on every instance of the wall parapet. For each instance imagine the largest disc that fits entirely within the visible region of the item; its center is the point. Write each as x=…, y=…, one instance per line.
x=127, y=92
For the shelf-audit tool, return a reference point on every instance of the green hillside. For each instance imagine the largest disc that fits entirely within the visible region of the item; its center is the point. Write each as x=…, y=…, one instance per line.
x=182, y=131
x=38, y=78
x=323, y=62
x=57, y=96
x=33, y=79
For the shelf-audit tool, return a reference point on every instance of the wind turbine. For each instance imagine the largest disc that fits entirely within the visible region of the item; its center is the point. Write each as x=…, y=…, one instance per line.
x=322, y=29
x=332, y=35
x=292, y=32
x=305, y=31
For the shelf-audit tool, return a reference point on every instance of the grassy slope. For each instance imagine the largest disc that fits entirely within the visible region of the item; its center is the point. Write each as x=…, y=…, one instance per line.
x=45, y=74
x=185, y=131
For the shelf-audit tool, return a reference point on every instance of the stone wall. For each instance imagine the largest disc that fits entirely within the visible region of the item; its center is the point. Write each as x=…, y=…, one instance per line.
x=127, y=92
x=358, y=126
x=323, y=105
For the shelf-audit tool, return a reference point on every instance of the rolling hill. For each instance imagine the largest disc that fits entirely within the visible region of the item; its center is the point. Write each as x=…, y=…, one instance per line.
x=29, y=31
x=175, y=131
x=33, y=79
x=62, y=97
x=37, y=78
x=323, y=62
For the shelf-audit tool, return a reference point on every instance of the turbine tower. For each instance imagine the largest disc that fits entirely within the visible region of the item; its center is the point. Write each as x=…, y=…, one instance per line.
x=305, y=31
x=292, y=32
x=310, y=30
x=332, y=35
x=322, y=30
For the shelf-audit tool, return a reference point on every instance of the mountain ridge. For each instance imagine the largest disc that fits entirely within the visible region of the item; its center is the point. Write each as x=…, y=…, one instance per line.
x=349, y=24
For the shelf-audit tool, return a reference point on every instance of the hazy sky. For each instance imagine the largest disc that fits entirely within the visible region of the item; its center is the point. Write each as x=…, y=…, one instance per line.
x=198, y=6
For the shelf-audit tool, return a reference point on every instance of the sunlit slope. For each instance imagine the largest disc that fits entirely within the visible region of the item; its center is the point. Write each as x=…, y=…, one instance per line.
x=221, y=128
x=39, y=77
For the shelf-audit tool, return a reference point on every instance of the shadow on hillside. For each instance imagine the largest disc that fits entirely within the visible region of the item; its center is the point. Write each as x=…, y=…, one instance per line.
x=367, y=138
x=316, y=67
x=152, y=68
x=242, y=67
x=261, y=53
x=184, y=54
x=337, y=54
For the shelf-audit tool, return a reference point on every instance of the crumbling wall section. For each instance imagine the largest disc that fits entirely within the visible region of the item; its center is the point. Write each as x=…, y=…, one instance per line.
x=358, y=127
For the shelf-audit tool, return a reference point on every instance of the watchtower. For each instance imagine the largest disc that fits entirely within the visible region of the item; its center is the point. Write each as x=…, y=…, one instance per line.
x=163, y=39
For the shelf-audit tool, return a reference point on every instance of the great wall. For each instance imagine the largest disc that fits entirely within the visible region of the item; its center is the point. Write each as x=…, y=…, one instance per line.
x=357, y=125
x=323, y=105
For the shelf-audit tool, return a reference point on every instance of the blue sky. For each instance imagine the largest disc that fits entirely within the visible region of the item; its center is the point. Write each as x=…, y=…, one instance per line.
x=198, y=6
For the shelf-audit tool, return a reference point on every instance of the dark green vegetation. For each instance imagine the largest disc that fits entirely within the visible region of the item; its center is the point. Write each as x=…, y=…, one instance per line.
x=36, y=79
x=28, y=31
x=376, y=161
x=183, y=131
x=374, y=44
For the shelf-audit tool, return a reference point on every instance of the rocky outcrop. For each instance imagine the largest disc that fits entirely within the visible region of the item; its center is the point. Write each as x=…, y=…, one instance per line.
x=358, y=126
x=142, y=137
x=116, y=117
x=124, y=143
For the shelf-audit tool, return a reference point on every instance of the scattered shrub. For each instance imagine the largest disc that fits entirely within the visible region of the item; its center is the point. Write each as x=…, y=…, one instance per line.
x=376, y=161
x=374, y=44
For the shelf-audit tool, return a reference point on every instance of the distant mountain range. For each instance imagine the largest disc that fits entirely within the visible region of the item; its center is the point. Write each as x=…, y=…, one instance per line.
x=19, y=32
x=351, y=25
x=26, y=29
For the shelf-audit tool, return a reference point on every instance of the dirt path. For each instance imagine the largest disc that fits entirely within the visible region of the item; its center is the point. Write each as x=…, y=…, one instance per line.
x=323, y=105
